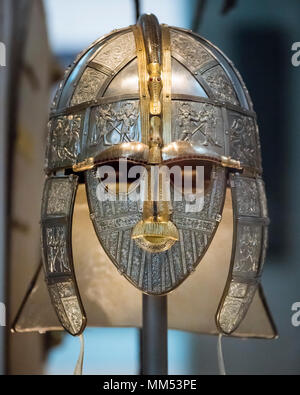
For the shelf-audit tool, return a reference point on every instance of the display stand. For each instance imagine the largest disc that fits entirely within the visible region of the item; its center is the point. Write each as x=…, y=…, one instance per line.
x=154, y=346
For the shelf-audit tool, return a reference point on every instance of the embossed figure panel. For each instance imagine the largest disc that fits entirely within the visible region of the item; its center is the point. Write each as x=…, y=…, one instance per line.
x=63, y=141
x=243, y=139
x=64, y=299
x=56, y=254
x=199, y=123
x=156, y=273
x=248, y=250
x=247, y=196
x=188, y=50
x=88, y=87
x=59, y=196
x=220, y=85
x=116, y=51
x=57, y=208
x=59, y=309
x=251, y=225
x=65, y=89
x=236, y=305
x=114, y=123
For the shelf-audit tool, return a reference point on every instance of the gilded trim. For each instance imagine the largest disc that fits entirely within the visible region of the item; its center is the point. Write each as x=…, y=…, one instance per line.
x=143, y=81
x=167, y=85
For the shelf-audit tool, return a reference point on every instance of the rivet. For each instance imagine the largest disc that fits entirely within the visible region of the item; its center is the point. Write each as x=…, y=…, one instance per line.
x=218, y=217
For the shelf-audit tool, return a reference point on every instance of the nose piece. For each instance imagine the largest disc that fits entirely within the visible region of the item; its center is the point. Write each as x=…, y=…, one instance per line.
x=155, y=235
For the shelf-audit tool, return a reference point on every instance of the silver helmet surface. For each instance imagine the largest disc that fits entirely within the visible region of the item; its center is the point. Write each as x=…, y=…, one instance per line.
x=156, y=97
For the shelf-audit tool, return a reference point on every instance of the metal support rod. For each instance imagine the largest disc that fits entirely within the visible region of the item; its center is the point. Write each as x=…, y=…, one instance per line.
x=155, y=335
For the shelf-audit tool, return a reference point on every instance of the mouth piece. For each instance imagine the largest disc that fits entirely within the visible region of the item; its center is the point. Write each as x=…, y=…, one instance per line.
x=154, y=236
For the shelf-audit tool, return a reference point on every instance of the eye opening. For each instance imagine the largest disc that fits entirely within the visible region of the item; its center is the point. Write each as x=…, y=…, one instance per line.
x=190, y=172
x=121, y=180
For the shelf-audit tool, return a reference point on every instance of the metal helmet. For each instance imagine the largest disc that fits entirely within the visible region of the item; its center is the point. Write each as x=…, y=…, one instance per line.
x=156, y=96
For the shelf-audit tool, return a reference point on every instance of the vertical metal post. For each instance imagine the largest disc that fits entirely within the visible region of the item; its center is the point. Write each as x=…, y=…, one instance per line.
x=155, y=335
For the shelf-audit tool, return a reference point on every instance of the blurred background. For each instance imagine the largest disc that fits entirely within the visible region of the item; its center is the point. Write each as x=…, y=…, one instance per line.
x=44, y=37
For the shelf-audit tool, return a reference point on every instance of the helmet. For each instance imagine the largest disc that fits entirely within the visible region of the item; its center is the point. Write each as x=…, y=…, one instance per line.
x=154, y=97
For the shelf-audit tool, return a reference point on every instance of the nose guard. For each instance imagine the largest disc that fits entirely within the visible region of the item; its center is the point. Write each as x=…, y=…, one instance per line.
x=97, y=120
